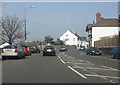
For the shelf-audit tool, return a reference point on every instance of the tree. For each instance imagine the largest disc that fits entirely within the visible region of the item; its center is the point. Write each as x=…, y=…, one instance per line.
x=48, y=39
x=12, y=29
x=59, y=42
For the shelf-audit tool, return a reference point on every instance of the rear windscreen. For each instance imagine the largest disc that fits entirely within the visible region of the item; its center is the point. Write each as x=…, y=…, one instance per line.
x=10, y=47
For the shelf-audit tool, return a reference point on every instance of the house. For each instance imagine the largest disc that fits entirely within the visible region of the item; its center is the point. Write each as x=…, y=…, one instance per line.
x=72, y=38
x=103, y=27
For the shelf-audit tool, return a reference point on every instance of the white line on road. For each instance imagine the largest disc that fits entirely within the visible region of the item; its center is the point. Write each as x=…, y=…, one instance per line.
x=58, y=57
x=109, y=68
x=102, y=76
x=62, y=61
x=91, y=68
x=77, y=72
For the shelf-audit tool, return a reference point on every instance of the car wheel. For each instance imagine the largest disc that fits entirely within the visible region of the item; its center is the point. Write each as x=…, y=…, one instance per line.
x=19, y=56
x=43, y=54
x=112, y=56
x=23, y=56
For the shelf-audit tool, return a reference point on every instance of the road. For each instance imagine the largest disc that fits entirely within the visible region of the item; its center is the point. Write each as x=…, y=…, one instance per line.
x=70, y=67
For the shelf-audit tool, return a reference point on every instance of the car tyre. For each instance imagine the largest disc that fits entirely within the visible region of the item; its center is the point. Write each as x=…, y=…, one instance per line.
x=112, y=56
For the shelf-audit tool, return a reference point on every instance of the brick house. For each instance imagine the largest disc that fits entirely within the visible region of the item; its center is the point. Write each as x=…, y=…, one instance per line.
x=103, y=27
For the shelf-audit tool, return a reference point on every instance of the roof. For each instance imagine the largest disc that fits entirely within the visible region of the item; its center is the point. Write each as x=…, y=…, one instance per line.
x=3, y=45
x=75, y=33
x=83, y=38
x=104, y=22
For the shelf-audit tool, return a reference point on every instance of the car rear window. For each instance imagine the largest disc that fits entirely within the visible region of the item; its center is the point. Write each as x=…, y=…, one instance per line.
x=10, y=47
x=49, y=47
x=94, y=48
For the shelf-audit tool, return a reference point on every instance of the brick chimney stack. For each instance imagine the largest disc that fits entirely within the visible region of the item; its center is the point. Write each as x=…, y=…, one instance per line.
x=98, y=17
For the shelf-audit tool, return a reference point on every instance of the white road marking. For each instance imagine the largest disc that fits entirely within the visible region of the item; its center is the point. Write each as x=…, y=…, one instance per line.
x=62, y=61
x=58, y=56
x=102, y=76
x=77, y=72
x=68, y=62
x=92, y=68
x=89, y=62
x=114, y=81
x=109, y=68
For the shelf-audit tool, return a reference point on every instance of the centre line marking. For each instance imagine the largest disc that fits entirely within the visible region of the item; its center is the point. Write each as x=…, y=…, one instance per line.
x=77, y=72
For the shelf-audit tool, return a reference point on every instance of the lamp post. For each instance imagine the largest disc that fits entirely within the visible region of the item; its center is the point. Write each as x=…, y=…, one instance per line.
x=25, y=19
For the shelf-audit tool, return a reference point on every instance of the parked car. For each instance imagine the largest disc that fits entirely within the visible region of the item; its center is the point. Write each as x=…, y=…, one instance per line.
x=13, y=51
x=93, y=51
x=82, y=48
x=63, y=49
x=34, y=49
x=0, y=53
x=49, y=50
x=27, y=50
x=115, y=52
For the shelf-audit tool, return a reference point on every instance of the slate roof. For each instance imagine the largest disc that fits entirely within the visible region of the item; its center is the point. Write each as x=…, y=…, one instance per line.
x=104, y=22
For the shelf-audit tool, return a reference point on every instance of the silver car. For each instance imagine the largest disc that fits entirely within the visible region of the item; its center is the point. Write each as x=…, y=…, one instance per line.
x=13, y=51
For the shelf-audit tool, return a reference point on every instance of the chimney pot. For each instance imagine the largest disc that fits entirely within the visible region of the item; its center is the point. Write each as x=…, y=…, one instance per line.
x=98, y=17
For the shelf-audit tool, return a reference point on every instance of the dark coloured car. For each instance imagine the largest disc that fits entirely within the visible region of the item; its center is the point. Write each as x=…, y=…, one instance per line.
x=93, y=51
x=63, y=49
x=49, y=50
x=115, y=52
x=34, y=49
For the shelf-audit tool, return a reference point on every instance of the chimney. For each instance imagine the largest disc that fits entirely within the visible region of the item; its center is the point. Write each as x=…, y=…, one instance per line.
x=98, y=17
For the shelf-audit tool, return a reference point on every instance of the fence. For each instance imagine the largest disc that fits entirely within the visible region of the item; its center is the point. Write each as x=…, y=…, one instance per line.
x=107, y=43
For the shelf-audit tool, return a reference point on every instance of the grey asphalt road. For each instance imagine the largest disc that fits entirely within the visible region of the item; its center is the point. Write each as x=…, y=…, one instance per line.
x=92, y=66
x=38, y=69
x=69, y=67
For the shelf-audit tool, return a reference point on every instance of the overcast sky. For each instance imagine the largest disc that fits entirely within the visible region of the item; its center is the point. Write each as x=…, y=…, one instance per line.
x=54, y=18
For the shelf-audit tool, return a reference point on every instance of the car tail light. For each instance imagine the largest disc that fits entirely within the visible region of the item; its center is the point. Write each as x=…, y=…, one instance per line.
x=16, y=51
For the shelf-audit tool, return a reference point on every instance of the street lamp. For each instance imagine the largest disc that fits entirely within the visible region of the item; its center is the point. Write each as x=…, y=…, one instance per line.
x=25, y=19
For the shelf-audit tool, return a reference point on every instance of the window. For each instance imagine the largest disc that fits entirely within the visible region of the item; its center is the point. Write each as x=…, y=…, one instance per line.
x=66, y=39
x=73, y=39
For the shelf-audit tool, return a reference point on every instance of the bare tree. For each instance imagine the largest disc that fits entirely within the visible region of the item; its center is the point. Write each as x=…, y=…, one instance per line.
x=12, y=29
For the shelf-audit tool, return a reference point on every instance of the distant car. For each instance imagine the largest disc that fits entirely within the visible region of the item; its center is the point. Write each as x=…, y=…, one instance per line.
x=49, y=50
x=27, y=50
x=63, y=49
x=13, y=51
x=34, y=49
x=82, y=48
x=115, y=52
x=93, y=51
